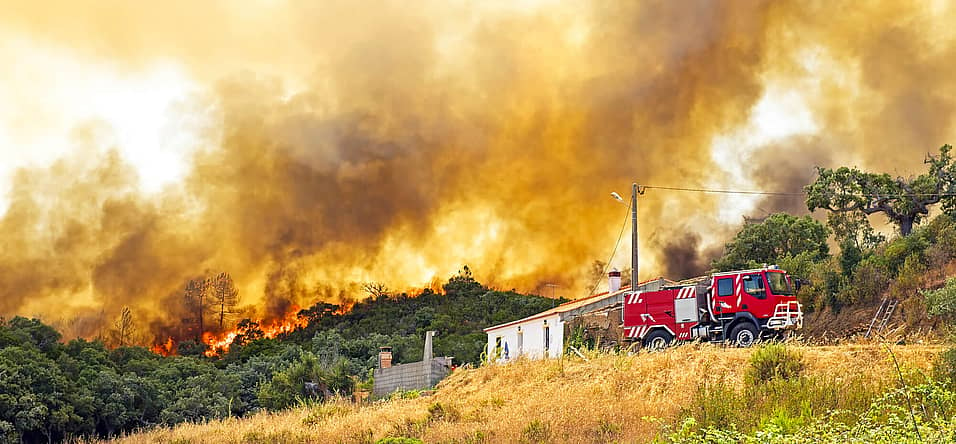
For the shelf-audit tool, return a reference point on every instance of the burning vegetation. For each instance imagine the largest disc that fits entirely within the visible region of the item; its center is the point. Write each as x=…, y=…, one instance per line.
x=247, y=331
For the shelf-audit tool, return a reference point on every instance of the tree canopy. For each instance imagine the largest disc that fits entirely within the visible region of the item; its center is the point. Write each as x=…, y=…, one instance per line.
x=777, y=236
x=904, y=201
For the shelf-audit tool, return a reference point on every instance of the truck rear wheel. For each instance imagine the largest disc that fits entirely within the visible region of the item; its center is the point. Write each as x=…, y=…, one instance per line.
x=744, y=334
x=658, y=340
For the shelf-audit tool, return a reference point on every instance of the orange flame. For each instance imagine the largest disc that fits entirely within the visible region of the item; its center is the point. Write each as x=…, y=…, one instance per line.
x=219, y=343
x=167, y=348
x=344, y=308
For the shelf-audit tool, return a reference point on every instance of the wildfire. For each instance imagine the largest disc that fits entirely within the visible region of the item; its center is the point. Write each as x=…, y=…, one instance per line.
x=344, y=308
x=167, y=348
x=219, y=343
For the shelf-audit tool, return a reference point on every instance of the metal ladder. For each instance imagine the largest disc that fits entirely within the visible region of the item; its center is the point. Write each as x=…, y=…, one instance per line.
x=883, y=314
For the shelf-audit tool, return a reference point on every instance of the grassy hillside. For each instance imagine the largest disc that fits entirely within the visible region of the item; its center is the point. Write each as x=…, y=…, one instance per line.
x=676, y=394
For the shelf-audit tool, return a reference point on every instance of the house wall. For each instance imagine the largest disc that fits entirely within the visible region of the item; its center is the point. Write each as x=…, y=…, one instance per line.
x=531, y=344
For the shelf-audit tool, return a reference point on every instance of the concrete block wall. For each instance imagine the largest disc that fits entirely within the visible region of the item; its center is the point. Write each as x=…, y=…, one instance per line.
x=412, y=376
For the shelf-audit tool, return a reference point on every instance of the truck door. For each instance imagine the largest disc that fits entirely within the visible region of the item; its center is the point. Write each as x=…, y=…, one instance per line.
x=723, y=296
x=754, y=291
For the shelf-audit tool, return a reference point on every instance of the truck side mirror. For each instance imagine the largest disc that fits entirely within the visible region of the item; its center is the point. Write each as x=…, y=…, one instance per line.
x=797, y=283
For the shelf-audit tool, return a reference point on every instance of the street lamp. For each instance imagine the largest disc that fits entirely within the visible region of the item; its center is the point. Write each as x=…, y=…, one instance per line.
x=635, y=190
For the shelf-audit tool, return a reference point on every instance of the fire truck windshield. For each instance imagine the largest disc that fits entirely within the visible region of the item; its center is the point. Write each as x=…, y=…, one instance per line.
x=779, y=284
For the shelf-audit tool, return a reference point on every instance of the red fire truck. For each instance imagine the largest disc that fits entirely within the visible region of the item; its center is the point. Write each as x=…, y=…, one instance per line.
x=737, y=306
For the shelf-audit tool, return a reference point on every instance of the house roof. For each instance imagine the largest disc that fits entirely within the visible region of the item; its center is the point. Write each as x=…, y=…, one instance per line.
x=572, y=305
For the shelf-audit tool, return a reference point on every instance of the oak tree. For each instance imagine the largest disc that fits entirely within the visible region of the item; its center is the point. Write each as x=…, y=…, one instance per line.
x=904, y=201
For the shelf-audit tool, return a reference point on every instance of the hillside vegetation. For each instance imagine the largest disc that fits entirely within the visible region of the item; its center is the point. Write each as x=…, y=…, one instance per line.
x=687, y=394
x=51, y=391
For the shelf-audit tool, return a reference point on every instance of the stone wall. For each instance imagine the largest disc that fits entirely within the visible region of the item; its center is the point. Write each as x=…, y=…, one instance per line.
x=603, y=328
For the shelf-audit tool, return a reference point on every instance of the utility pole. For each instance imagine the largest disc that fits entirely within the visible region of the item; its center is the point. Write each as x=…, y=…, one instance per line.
x=635, y=189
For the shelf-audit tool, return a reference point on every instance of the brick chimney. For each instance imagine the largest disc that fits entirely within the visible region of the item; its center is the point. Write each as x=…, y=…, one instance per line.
x=614, y=280
x=384, y=357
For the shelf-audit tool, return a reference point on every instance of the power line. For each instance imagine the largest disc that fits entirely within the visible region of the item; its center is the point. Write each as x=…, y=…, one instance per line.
x=613, y=252
x=783, y=193
x=707, y=190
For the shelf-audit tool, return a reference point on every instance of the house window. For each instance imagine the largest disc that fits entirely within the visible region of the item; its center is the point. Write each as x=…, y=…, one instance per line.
x=725, y=287
x=497, y=347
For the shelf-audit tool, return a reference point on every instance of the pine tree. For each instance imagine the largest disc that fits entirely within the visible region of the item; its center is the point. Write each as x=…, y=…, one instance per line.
x=225, y=297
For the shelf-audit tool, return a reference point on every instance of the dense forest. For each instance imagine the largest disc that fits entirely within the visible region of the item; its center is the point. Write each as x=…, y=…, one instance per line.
x=50, y=390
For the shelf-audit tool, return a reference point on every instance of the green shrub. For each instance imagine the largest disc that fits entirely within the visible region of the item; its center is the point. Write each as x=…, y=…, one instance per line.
x=942, y=301
x=774, y=361
x=305, y=379
x=404, y=394
x=399, y=440
x=910, y=278
x=716, y=403
x=478, y=437
x=869, y=281
x=607, y=431
x=885, y=419
x=536, y=431
x=442, y=412
x=896, y=252
x=945, y=365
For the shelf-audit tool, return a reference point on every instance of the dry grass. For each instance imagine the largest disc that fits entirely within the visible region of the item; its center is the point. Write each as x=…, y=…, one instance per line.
x=609, y=398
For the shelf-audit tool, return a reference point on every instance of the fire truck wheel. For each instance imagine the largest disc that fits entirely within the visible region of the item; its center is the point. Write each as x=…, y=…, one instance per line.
x=744, y=334
x=658, y=340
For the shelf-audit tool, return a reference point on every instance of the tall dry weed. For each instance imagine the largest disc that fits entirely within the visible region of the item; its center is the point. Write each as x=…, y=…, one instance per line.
x=606, y=398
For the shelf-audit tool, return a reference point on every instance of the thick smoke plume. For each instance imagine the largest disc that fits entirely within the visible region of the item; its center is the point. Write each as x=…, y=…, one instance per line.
x=415, y=138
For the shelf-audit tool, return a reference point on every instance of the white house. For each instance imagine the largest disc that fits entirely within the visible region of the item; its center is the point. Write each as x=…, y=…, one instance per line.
x=542, y=335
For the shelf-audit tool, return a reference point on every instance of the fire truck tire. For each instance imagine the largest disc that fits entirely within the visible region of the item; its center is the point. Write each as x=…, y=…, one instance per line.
x=744, y=334
x=658, y=340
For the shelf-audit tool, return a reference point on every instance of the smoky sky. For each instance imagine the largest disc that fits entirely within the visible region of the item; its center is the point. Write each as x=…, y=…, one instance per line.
x=420, y=139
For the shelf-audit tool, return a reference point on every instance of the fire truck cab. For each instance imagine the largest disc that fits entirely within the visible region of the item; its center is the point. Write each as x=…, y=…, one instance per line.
x=738, y=306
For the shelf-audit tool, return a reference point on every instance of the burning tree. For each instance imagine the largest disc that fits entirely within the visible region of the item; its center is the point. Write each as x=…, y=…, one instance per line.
x=123, y=328
x=195, y=299
x=375, y=290
x=210, y=295
x=225, y=297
